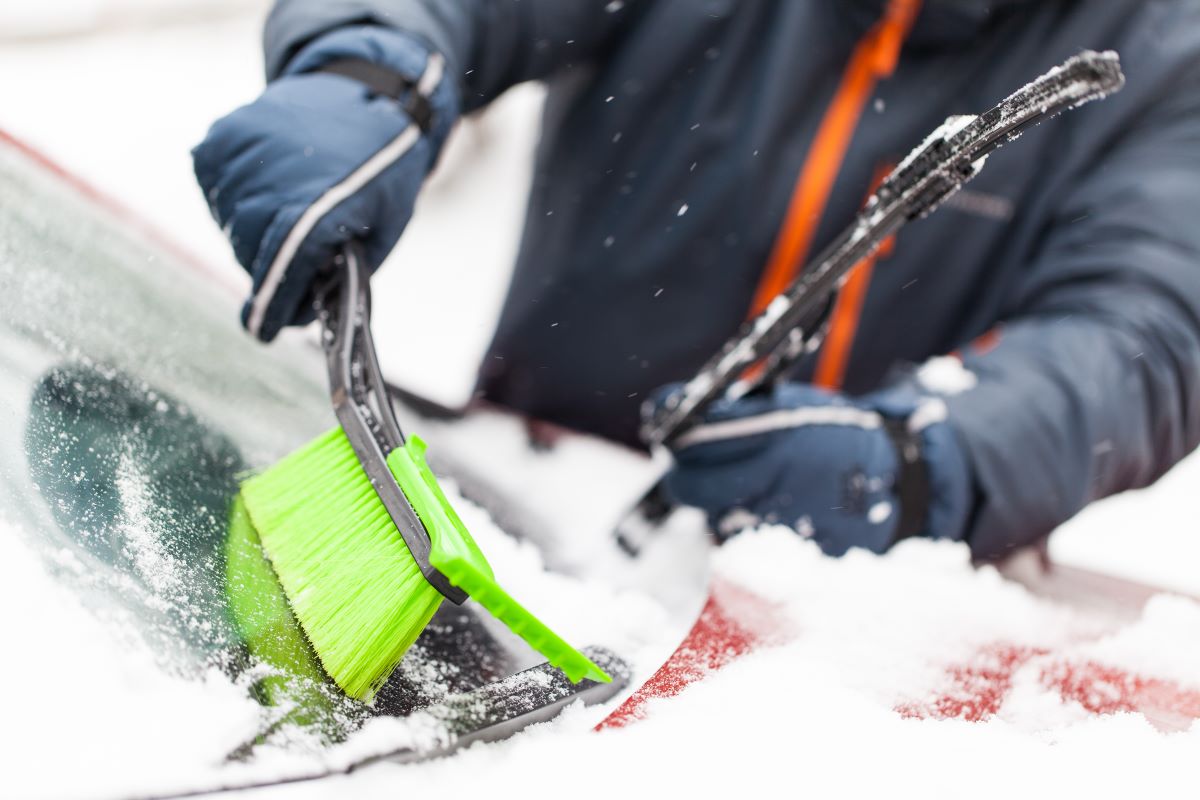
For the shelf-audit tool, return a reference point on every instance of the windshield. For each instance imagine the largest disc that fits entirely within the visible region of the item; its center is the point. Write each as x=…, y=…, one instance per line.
x=131, y=405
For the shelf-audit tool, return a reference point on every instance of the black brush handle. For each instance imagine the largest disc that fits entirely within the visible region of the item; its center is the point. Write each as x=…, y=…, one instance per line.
x=361, y=402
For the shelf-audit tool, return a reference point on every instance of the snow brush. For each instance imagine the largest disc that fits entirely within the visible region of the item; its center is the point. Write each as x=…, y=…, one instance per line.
x=363, y=541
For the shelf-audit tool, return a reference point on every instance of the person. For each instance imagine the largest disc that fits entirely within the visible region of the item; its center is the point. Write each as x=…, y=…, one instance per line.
x=1031, y=348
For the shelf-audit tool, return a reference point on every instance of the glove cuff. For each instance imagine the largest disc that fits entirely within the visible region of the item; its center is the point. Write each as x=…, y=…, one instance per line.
x=417, y=78
x=950, y=483
x=911, y=485
x=933, y=482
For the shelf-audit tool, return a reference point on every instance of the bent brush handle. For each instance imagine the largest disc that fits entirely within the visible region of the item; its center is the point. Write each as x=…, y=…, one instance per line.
x=361, y=402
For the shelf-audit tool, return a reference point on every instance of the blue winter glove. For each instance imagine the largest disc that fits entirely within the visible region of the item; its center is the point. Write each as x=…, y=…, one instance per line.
x=322, y=157
x=862, y=473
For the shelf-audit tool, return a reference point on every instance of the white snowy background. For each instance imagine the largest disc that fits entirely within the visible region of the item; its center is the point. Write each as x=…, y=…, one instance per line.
x=119, y=90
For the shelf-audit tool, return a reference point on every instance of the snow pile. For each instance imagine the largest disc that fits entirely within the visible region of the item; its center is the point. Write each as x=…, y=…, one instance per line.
x=88, y=711
x=844, y=704
x=584, y=610
x=822, y=713
x=923, y=634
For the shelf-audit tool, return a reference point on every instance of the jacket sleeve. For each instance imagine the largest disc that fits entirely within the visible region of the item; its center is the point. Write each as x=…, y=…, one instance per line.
x=490, y=45
x=1094, y=387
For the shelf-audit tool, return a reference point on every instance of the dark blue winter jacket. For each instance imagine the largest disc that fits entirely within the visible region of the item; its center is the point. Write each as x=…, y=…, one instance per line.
x=1080, y=243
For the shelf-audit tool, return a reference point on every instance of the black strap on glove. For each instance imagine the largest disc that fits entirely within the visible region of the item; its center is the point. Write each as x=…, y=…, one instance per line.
x=385, y=82
x=912, y=478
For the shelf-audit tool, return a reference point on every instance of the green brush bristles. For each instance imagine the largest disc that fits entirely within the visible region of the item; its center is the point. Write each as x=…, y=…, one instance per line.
x=351, y=581
x=353, y=585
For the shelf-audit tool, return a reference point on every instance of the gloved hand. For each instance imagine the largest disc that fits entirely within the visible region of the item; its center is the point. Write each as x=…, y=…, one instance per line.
x=320, y=158
x=847, y=473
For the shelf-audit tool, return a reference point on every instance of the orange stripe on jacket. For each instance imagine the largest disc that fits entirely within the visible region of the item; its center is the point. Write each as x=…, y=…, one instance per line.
x=875, y=57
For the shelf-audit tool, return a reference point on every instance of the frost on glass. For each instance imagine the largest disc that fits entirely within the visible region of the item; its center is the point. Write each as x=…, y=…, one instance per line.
x=131, y=404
